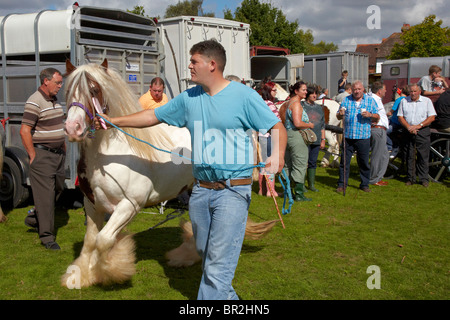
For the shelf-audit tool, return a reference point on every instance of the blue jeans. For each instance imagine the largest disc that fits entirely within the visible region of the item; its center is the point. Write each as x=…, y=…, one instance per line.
x=313, y=155
x=219, y=218
x=362, y=148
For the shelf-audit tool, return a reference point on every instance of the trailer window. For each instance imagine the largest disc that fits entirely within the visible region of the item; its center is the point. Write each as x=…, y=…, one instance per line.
x=395, y=71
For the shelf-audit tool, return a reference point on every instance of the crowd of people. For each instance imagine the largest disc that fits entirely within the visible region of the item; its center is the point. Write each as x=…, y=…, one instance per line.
x=373, y=133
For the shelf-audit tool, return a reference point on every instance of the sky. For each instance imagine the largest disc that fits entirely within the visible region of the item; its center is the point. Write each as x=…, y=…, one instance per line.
x=343, y=22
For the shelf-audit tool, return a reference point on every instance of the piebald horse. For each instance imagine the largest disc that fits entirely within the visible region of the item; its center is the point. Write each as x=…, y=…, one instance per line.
x=120, y=175
x=330, y=108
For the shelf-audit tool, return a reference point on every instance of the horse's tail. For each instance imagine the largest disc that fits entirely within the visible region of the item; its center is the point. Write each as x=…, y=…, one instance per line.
x=255, y=231
x=186, y=254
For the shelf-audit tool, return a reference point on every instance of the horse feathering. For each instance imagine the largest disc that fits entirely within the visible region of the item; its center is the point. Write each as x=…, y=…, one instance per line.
x=119, y=100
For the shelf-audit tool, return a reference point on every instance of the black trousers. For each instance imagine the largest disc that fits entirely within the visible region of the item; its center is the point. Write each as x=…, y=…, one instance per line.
x=47, y=177
x=417, y=162
x=362, y=147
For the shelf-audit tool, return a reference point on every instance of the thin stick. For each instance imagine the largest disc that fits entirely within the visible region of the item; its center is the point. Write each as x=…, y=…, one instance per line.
x=268, y=184
x=344, y=153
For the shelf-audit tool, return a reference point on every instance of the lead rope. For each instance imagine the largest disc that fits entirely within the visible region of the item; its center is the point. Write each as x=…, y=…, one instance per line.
x=287, y=189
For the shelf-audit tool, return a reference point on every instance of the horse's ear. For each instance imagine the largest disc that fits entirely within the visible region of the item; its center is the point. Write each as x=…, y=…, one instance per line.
x=105, y=63
x=70, y=67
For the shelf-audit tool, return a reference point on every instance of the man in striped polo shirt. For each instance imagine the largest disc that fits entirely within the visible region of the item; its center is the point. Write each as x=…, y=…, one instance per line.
x=42, y=134
x=360, y=110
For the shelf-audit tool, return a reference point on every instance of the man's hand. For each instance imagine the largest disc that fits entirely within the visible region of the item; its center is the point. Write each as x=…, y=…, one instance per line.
x=413, y=129
x=273, y=165
x=98, y=120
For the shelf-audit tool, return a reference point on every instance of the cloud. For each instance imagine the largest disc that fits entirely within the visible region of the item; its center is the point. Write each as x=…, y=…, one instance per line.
x=153, y=8
x=342, y=22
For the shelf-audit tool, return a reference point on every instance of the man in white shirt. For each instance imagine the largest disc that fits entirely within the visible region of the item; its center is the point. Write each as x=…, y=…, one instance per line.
x=416, y=113
x=379, y=158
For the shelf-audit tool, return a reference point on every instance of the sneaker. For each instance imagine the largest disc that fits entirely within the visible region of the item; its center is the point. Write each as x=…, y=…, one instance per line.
x=425, y=184
x=409, y=183
x=52, y=245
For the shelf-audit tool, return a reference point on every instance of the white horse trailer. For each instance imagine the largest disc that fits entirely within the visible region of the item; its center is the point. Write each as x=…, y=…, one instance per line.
x=179, y=34
x=32, y=42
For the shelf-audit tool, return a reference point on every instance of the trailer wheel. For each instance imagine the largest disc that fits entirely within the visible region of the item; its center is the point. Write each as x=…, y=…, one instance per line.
x=12, y=192
x=439, y=161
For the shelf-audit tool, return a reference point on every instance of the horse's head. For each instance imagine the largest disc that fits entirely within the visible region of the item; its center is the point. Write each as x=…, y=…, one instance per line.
x=85, y=98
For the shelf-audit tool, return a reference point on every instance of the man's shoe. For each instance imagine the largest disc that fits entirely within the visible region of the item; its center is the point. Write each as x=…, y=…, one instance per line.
x=425, y=184
x=30, y=219
x=52, y=245
x=409, y=183
x=381, y=183
x=30, y=223
x=366, y=189
x=340, y=189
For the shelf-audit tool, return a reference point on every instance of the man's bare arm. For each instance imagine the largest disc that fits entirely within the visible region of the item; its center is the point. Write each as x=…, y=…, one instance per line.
x=141, y=119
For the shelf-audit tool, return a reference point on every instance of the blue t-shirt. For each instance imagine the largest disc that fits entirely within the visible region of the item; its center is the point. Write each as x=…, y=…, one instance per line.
x=394, y=117
x=221, y=128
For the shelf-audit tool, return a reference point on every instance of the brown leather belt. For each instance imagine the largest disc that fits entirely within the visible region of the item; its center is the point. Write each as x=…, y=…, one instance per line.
x=219, y=185
x=381, y=127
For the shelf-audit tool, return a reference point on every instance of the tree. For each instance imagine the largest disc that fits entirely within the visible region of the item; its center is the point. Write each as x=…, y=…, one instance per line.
x=187, y=8
x=139, y=10
x=427, y=39
x=322, y=47
x=270, y=27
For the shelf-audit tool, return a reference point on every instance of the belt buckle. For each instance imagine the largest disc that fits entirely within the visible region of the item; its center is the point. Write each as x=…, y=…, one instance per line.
x=218, y=185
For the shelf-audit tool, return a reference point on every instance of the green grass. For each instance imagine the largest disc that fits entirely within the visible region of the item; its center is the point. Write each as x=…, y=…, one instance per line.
x=323, y=253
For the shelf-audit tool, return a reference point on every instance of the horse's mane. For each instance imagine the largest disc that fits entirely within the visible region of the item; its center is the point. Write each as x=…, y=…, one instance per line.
x=120, y=99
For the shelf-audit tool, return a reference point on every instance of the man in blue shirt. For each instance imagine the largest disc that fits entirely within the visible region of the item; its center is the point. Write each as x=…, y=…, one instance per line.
x=358, y=111
x=220, y=116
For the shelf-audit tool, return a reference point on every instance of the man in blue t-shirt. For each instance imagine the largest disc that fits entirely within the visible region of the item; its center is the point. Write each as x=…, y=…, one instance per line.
x=220, y=116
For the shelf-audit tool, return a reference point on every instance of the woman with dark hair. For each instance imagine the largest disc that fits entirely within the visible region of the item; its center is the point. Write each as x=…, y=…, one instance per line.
x=268, y=93
x=296, y=156
x=316, y=116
